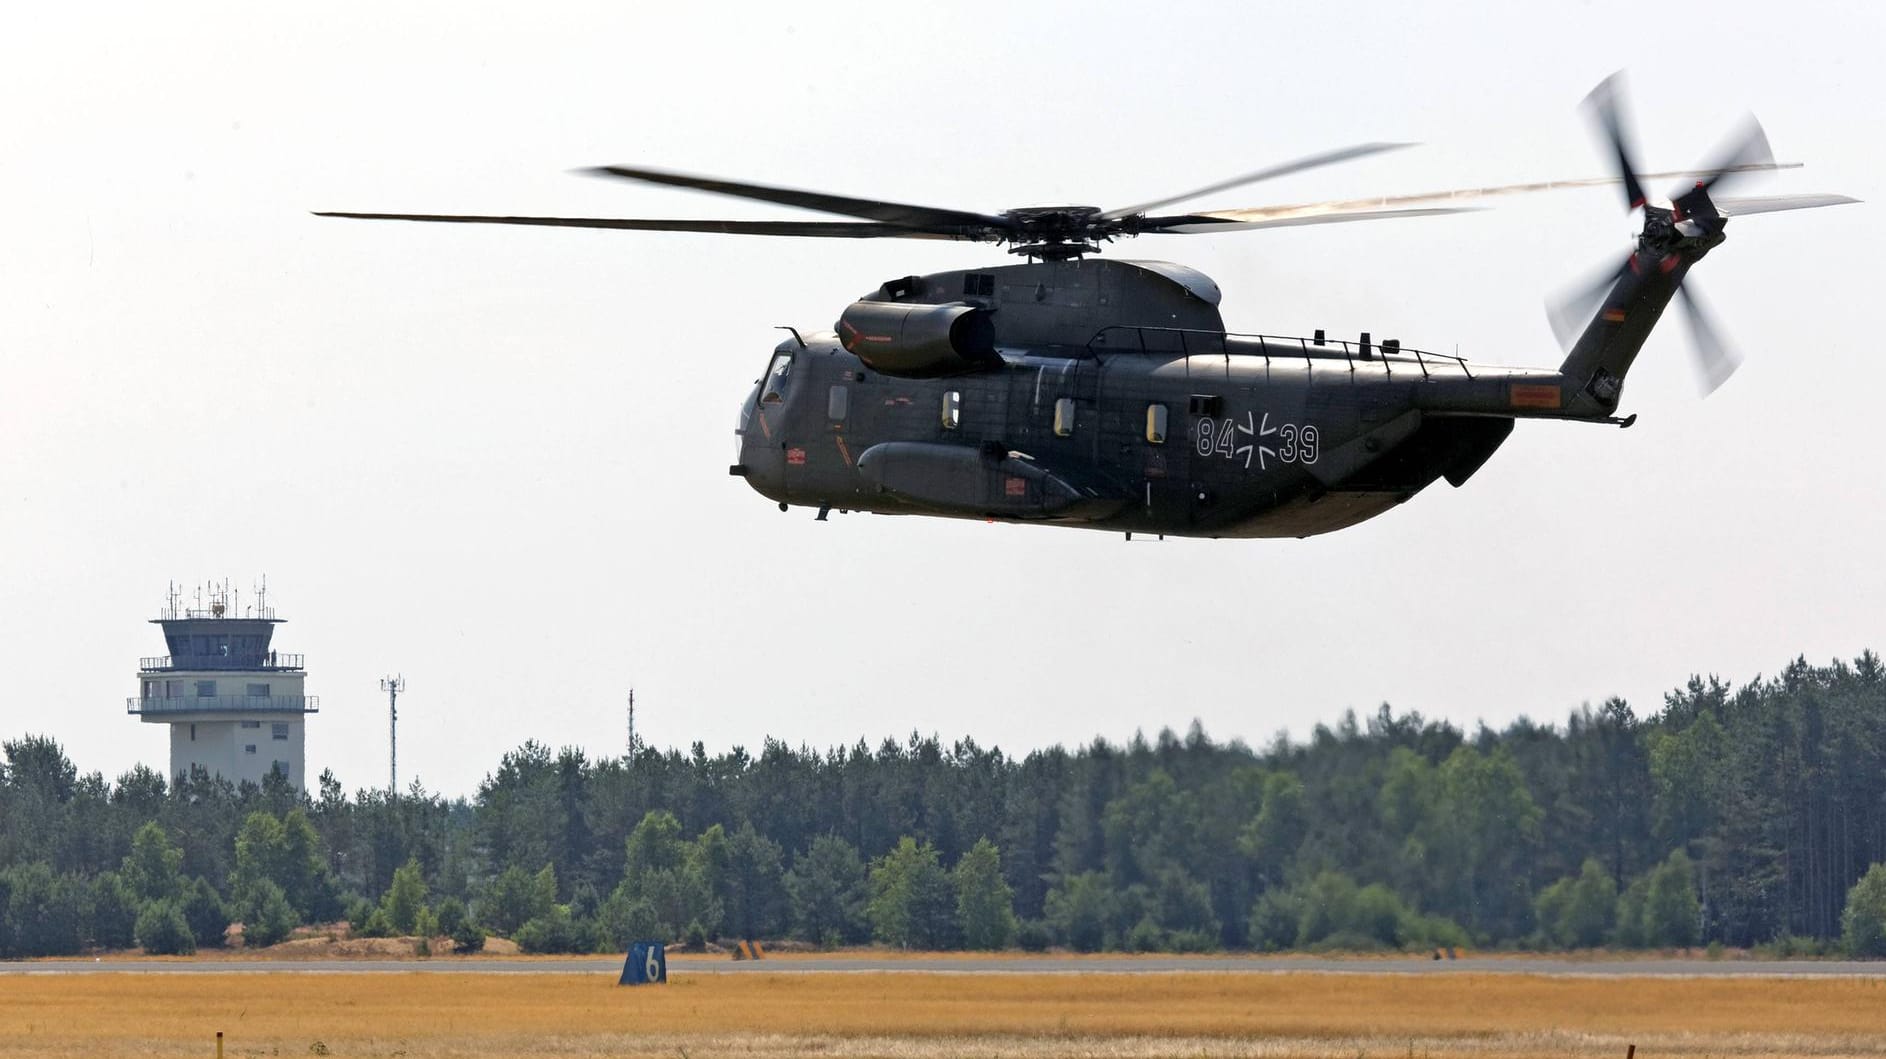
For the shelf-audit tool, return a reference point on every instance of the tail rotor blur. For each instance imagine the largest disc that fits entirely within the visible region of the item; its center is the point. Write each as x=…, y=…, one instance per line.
x=1692, y=222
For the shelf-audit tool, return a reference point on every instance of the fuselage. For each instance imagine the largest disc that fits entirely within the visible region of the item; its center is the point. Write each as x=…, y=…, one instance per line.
x=1128, y=408
x=1255, y=440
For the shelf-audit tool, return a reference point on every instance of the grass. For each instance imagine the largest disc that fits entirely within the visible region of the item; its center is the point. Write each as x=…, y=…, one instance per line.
x=757, y=1016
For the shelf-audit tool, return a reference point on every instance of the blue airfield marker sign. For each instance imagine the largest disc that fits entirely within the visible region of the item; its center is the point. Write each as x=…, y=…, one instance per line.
x=647, y=964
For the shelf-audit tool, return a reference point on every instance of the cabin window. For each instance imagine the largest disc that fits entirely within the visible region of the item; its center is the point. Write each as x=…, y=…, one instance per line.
x=1064, y=417
x=1156, y=424
x=836, y=404
x=206, y=689
x=952, y=409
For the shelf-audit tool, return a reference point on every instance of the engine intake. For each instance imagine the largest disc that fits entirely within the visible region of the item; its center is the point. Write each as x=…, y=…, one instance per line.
x=919, y=341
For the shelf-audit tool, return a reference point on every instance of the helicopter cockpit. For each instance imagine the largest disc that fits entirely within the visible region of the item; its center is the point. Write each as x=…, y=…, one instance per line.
x=761, y=417
x=778, y=377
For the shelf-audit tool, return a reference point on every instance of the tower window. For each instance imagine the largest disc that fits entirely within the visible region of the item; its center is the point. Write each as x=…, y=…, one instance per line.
x=280, y=768
x=249, y=748
x=206, y=689
x=258, y=691
x=252, y=724
x=279, y=729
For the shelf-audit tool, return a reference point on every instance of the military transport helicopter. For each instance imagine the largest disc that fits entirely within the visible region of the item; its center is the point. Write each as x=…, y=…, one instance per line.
x=1081, y=391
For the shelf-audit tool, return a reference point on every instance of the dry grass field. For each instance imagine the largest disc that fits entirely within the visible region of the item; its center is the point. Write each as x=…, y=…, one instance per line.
x=919, y=1015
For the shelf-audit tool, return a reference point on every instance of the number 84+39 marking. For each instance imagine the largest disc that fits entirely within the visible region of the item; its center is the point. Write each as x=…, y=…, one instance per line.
x=1232, y=439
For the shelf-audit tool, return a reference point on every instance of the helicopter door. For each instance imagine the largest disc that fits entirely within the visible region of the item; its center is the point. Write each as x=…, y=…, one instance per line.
x=1163, y=445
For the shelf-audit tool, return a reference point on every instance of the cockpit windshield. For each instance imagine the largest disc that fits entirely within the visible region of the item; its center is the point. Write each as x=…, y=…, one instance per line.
x=778, y=377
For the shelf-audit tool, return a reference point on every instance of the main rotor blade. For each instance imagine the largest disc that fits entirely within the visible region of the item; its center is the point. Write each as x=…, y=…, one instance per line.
x=1742, y=207
x=1606, y=107
x=816, y=229
x=1206, y=223
x=1470, y=194
x=1715, y=359
x=1342, y=154
x=926, y=217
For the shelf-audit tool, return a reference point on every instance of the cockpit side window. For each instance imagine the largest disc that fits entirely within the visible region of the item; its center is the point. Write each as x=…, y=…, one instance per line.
x=778, y=375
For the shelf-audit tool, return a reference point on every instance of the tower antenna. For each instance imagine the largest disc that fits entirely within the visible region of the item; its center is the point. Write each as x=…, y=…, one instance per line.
x=631, y=727
x=392, y=686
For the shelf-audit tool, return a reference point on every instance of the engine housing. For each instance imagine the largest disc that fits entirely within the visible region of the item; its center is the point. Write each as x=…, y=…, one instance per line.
x=919, y=341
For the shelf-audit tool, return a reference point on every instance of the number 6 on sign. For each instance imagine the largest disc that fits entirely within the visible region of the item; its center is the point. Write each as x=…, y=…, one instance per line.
x=647, y=964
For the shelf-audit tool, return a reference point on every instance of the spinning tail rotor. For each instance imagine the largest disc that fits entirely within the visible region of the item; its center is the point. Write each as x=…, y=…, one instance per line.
x=1674, y=237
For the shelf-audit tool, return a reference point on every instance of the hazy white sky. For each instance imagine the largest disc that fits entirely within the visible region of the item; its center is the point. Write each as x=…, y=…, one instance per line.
x=495, y=459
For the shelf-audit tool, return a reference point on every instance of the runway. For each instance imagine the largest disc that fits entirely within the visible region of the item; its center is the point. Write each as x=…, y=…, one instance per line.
x=982, y=966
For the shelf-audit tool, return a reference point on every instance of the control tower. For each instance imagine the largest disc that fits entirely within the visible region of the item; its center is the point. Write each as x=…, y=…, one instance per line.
x=234, y=705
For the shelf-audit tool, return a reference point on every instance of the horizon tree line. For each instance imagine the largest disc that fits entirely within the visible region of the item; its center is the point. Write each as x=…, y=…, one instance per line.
x=1739, y=816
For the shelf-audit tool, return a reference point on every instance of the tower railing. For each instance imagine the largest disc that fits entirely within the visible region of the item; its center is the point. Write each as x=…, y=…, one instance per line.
x=271, y=660
x=223, y=704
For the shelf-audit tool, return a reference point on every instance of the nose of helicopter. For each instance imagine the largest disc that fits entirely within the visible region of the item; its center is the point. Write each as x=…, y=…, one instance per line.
x=756, y=458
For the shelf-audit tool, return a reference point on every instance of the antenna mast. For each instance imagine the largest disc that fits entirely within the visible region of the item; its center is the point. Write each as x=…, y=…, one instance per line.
x=392, y=686
x=631, y=726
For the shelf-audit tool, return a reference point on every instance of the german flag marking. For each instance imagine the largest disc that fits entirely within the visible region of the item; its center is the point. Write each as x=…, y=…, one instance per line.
x=1534, y=395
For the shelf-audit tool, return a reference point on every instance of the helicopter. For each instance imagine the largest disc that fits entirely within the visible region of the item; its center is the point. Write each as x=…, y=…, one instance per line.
x=1075, y=390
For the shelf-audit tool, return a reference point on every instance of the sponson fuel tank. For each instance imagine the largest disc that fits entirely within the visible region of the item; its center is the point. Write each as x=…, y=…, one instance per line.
x=985, y=481
x=919, y=341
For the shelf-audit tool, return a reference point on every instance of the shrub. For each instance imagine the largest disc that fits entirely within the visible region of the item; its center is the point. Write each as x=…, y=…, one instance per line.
x=1863, y=924
x=1274, y=919
x=162, y=930
x=1033, y=935
x=1670, y=905
x=516, y=897
x=1191, y=941
x=405, y=899
x=556, y=932
x=1144, y=937
x=45, y=912
x=1079, y=908
x=359, y=910
x=267, y=916
x=1428, y=932
x=983, y=898
x=697, y=935
x=1630, y=917
x=627, y=919
x=451, y=917
x=376, y=926
x=468, y=938
x=203, y=909
x=114, y=912
x=913, y=900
